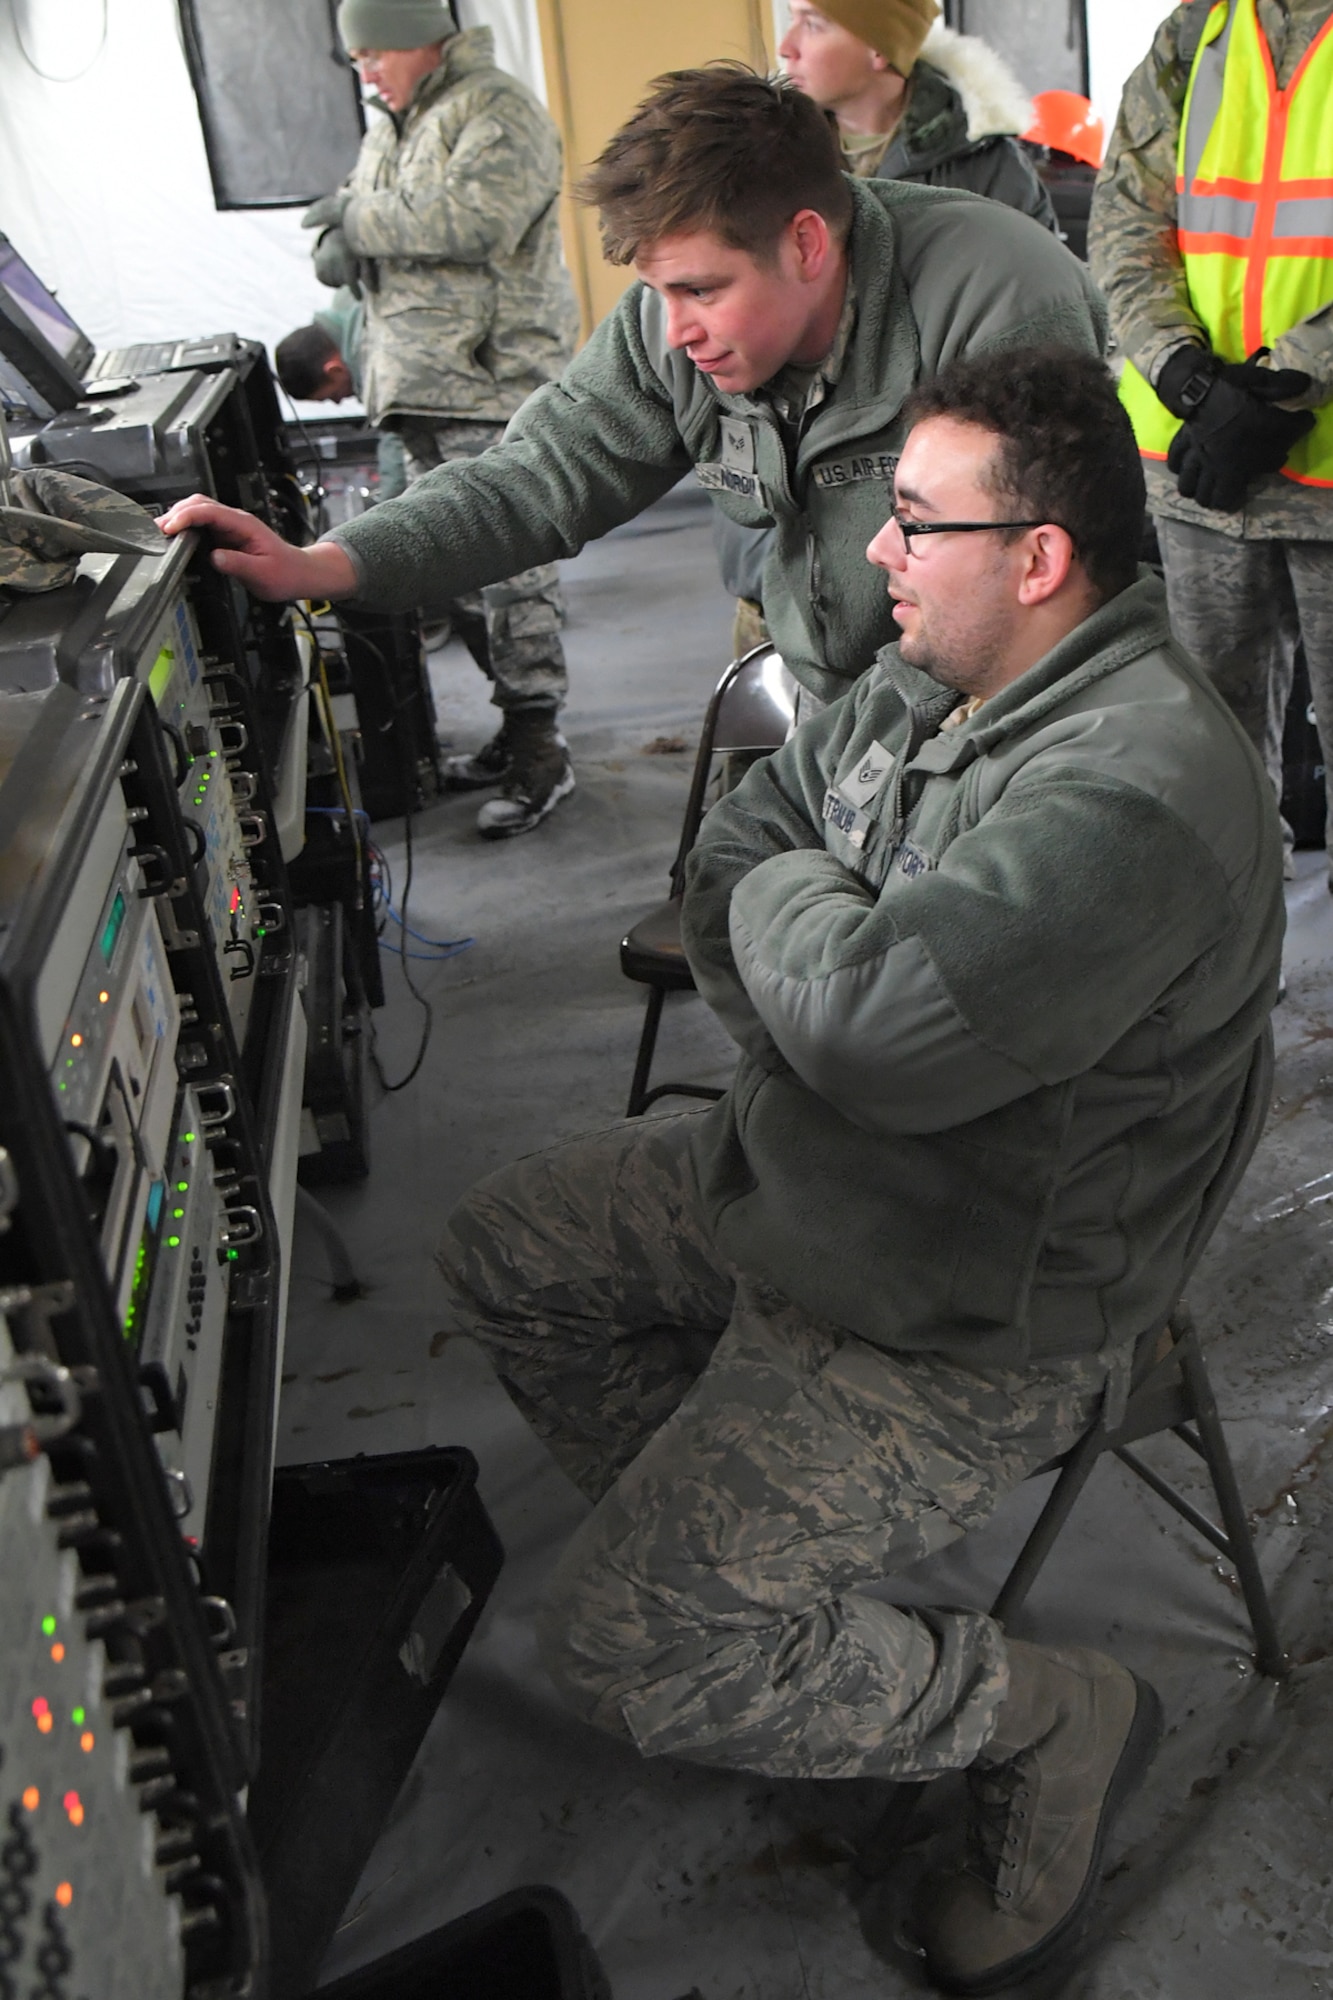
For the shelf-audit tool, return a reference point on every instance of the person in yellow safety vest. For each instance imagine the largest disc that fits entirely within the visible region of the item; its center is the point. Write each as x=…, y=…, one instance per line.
x=1211, y=236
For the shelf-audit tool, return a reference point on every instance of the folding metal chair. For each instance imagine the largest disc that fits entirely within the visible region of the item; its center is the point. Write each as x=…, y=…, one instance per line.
x=753, y=707
x=1169, y=1391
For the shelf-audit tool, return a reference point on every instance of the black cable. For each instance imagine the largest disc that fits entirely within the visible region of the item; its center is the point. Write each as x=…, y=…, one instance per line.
x=321, y=523
x=412, y=987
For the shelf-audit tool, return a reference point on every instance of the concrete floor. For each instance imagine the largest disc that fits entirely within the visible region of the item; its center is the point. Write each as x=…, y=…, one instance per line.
x=1220, y=1878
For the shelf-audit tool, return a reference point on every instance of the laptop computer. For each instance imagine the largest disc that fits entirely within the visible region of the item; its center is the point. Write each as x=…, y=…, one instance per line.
x=48, y=364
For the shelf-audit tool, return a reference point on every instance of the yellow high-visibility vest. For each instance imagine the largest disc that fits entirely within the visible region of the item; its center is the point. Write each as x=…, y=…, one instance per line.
x=1254, y=212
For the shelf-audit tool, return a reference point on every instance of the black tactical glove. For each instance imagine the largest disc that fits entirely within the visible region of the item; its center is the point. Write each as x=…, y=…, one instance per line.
x=335, y=264
x=1233, y=431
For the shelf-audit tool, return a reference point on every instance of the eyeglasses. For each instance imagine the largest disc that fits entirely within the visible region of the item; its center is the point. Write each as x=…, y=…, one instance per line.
x=909, y=530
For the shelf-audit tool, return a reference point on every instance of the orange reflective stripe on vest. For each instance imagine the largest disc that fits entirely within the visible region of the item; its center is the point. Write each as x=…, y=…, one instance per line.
x=1254, y=211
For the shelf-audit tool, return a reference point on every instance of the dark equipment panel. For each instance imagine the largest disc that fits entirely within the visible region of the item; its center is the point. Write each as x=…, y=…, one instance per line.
x=378, y=1571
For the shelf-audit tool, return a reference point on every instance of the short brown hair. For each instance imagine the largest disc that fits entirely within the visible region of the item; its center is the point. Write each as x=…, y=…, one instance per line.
x=723, y=149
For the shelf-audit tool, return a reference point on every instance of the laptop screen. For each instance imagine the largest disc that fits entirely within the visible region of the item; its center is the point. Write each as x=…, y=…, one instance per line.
x=28, y=292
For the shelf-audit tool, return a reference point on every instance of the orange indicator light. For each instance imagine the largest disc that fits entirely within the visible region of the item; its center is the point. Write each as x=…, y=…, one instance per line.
x=46, y=1723
x=73, y=1805
x=103, y=997
x=32, y=1798
x=76, y=1041
x=87, y=1740
x=64, y=1894
x=57, y=1652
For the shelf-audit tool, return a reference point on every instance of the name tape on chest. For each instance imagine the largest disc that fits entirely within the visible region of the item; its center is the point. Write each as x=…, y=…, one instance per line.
x=726, y=479
x=849, y=471
x=851, y=824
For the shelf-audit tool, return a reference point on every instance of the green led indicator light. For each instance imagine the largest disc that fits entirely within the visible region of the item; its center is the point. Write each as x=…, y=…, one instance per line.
x=49, y=1626
x=189, y=1138
x=69, y=1062
x=78, y=1716
x=182, y=1186
x=176, y=1214
x=173, y=1243
x=60, y=1086
x=261, y=932
x=233, y=1254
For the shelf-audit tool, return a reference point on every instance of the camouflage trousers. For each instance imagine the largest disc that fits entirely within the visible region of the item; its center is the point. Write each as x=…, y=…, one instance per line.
x=754, y=1472
x=511, y=629
x=1241, y=609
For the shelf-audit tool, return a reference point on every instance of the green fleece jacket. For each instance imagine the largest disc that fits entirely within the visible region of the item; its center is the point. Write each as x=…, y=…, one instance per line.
x=937, y=274
x=995, y=990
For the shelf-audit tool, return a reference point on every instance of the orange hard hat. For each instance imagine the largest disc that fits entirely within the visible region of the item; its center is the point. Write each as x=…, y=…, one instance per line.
x=1067, y=122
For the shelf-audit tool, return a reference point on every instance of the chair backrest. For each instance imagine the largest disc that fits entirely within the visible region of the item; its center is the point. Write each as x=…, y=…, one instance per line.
x=1245, y=1136
x=1149, y=1355
x=753, y=707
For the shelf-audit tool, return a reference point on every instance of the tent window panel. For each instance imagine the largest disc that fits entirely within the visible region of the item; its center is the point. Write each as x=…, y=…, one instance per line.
x=1045, y=42
x=278, y=101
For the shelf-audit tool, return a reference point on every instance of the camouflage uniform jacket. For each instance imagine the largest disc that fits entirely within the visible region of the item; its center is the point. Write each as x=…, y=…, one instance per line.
x=995, y=988
x=454, y=212
x=1134, y=258
x=935, y=273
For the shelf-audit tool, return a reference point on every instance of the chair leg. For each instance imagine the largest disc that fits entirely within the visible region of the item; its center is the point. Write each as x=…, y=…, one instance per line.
x=1269, y=1654
x=643, y=1062
x=1074, y=1476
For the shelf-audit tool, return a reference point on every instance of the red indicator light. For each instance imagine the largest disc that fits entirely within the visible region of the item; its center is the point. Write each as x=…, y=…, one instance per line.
x=32, y=1798
x=42, y=1716
x=235, y=901
x=64, y=1894
x=73, y=1805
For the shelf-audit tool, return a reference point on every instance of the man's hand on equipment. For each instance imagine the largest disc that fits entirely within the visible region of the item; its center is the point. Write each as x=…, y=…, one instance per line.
x=248, y=550
x=1234, y=432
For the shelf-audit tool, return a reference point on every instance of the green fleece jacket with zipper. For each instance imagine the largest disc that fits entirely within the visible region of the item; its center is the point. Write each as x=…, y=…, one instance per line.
x=936, y=274
x=995, y=988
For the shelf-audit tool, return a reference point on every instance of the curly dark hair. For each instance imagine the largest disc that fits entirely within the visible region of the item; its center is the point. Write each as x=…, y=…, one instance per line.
x=719, y=148
x=1067, y=451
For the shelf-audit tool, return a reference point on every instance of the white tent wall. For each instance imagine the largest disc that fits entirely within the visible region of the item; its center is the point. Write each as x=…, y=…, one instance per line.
x=104, y=183
x=1120, y=34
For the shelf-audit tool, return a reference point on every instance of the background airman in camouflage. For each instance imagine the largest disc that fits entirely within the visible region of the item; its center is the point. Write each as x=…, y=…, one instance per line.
x=1251, y=580
x=449, y=223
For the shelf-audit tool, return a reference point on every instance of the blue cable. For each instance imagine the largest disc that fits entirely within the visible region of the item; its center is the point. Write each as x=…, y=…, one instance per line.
x=447, y=945
x=429, y=957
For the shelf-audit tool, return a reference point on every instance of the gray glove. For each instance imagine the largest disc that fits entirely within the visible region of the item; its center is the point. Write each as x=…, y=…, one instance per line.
x=335, y=264
x=328, y=211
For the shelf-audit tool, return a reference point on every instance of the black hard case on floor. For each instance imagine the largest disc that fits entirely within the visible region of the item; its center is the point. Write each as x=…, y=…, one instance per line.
x=524, y=1946
x=378, y=1571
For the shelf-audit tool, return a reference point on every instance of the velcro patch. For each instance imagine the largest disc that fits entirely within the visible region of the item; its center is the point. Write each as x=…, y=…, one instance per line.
x=725, y=479
x=851, y=824
x=847, y=471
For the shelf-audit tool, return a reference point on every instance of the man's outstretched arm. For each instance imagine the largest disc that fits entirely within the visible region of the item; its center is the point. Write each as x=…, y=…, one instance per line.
x=248, y=550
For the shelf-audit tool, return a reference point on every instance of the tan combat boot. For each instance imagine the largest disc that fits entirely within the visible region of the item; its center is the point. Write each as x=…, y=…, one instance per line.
x=1073, y=1738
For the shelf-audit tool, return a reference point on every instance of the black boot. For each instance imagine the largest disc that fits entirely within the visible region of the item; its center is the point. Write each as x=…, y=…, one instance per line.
x=539, y=776
x=475, y=770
